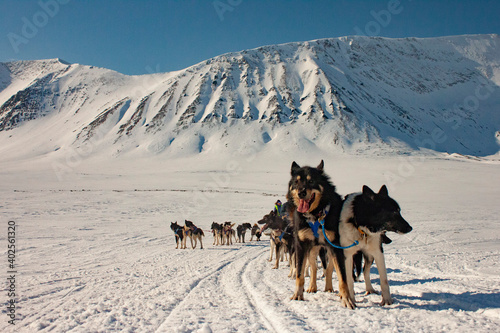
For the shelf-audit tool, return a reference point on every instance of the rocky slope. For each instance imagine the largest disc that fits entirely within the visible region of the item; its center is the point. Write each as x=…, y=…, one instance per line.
x=354, y=94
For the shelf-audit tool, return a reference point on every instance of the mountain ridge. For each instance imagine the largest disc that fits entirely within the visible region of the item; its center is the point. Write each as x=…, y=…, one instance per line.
x=349, y=94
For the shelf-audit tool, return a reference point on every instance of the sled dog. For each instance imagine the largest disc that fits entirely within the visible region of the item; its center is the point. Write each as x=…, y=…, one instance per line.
x=365, y=218
x=195, y=233
x=317, y=202
x=180, y=234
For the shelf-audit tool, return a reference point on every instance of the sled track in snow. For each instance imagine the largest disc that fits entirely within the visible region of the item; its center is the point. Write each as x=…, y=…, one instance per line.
x=238, y=291
x=221, y=290
x=164, y=327
x=262, y=296
x=272, y=294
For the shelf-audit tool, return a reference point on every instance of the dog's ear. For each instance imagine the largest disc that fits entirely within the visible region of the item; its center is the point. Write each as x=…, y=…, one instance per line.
x=368, y=193
x=321, y=166
x=295, y=167
x=383, y=191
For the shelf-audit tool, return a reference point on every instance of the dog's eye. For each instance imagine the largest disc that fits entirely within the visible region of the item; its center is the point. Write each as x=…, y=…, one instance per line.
x=310, y=181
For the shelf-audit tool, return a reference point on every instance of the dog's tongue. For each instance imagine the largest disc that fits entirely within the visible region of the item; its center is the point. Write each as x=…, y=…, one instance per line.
x=303, y=206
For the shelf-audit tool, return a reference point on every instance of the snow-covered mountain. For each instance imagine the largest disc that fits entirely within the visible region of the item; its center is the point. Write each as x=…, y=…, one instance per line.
x=347, y=94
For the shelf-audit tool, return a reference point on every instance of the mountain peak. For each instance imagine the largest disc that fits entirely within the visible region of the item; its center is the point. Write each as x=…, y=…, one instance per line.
x=347, y=94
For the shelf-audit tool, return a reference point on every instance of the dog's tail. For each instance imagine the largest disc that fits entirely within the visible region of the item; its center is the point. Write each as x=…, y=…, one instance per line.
x=358, y=260
x=322, y=256
x=202, y=233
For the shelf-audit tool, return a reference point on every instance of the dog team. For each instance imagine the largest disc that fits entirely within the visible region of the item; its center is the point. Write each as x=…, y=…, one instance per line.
x=223, y=233
x=317, y=221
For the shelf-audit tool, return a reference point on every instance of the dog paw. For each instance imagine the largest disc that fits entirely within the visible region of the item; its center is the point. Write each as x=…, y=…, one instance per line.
x=329, y=290
x=297, y=297
x=385, y=301
x=371, y=291
x=312, y=290
x=348, y=303
x=275, y=267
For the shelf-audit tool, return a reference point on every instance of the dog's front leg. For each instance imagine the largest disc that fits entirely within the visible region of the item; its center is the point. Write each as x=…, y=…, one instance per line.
x=349, y=268
x=299, y=281
x=272, y=249
x=277, y=247
x=292, y=266
x=313, y=254
x=201, y=242
x=366, y=274
x=384, y=283
x=339, y=264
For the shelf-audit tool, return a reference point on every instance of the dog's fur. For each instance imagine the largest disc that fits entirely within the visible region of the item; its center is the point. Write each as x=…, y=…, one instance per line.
x=195, y=233
x=217, y=233
x=241, y=230
x=255, y=232
x=180, y=234
x=366, y=217
x=311, y=191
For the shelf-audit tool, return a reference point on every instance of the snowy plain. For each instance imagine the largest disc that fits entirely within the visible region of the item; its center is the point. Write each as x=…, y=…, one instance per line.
x=96, y=254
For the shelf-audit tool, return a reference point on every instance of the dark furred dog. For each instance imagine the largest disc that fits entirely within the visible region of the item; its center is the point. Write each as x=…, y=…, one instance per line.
x=217, y=233
x=316, y=200
x=227, y=233
x=195, y=233
x=366, y=217
x=241, y=230
x=180, y=235
x=281, y=236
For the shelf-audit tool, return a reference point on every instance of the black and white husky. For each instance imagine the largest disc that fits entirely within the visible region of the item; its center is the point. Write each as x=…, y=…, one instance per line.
x=365, y=217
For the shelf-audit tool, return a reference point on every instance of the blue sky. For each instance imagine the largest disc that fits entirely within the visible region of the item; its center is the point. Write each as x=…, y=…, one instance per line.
x=138, y=37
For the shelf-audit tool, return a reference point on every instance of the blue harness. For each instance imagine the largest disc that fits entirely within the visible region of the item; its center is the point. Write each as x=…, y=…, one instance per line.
x=280, y=237
x=321, y=222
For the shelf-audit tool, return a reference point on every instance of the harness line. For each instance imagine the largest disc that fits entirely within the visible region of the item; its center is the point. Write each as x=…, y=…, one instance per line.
x=315, y=226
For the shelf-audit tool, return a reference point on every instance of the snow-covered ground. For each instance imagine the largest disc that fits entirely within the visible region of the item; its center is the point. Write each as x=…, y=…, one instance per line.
x=95, y=252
